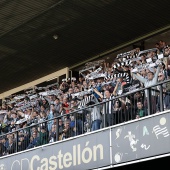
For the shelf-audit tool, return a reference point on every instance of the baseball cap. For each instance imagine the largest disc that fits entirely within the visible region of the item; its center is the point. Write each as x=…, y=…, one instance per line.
x=151, y=70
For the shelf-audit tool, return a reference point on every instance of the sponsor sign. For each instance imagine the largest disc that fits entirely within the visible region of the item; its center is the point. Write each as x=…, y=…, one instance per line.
x=86, y=152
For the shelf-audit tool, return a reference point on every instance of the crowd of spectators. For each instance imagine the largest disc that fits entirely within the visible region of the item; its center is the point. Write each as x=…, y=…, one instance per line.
x=97, y=83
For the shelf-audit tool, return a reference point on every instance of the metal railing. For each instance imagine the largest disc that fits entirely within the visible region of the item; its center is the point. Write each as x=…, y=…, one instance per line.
x=83, y=121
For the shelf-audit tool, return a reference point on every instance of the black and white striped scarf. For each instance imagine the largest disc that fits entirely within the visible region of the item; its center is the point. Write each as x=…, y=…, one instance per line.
x=84, y=101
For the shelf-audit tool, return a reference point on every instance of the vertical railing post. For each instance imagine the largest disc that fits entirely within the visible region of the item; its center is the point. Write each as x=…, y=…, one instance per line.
x=17, y=137
x=161, y=98
x=104, y=116
x=149, y=103
x=57, y=130
x=81, y=121
x=90, y=122
x=76, y=124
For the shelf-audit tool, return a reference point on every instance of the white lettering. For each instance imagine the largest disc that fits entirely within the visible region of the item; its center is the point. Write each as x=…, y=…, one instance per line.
x=99, y=146
x=53, y=163
x=88, y=155
x=32, y=161
x=16, y=161
x=66, y=160
x=60, y=155
x=74, y=155
x=60, y=161
x=45, y=165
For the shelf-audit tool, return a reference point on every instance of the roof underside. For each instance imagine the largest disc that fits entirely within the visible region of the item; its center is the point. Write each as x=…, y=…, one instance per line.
x=85, y=28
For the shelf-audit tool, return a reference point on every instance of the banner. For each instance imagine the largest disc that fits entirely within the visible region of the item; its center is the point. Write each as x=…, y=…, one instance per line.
x=141, y=139
x=86, y=152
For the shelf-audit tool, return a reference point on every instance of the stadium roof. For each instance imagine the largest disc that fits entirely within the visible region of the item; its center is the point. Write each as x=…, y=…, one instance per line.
x=38, y=37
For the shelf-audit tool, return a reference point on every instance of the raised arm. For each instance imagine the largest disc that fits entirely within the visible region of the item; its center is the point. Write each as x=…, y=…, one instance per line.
x=139, y=77
x=155, y=79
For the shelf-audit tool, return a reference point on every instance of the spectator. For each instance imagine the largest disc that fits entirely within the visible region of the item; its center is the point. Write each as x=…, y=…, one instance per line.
x=127, y=74
x=118, y=113
x=87, y=123
x=118, y=90
x=98, y=86
x=115, y=111
x=108, y=110
x=52, y=137
x=22, y=143
x=2, y=149
x=58, y=106
x=11, y=147
x=74, y=130
x=95, y=113
x=67, y=130
x=110, y=87
x=152, y=78
x=65, y=105
x=69, y=94
x=161, y=78
x=43, y=135
x=140, y=111
x=166, y=100
x=44, y=103
x=50, y=117
x=3, y=141
x=61, y=128
x=7, y=122
x=35, y=141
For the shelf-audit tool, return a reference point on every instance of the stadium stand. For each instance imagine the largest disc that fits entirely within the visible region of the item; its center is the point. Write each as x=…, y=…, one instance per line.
x=84, y=84
x=103, y=95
